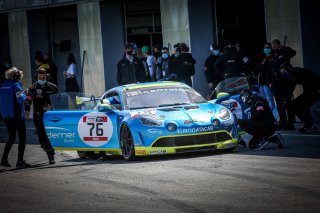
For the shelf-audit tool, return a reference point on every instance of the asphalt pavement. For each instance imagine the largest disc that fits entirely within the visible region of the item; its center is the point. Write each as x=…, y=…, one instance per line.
x=269, y=180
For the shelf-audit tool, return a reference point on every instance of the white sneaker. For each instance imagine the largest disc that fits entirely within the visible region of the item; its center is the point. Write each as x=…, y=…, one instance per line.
x=263, y=143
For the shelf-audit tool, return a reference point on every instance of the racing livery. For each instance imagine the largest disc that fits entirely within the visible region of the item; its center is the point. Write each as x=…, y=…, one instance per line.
x=143, y=119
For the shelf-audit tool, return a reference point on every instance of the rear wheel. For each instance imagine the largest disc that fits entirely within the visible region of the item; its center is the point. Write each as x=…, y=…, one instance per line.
x=127, y=144
x=87, y=154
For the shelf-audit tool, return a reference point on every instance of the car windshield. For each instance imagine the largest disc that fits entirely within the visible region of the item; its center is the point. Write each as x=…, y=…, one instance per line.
x=232, y=85
x=159, y=97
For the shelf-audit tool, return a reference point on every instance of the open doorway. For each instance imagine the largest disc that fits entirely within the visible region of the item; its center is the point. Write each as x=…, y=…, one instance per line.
x=143, y=22
x=237, y=19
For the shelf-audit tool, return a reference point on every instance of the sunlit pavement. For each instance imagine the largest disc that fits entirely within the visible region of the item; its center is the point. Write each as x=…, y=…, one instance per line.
x=269, y=180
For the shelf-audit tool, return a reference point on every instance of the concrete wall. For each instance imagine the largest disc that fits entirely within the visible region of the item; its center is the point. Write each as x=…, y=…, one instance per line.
x=283, y=19
x=113, y=38
x=202, y=34
x=90, y=39
x=38, y=30
x=309, y=11
x=4, y=38
x=19, y=44
x=175, y=22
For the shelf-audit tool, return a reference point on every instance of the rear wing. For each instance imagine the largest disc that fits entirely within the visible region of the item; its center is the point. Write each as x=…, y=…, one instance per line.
x=73, y=101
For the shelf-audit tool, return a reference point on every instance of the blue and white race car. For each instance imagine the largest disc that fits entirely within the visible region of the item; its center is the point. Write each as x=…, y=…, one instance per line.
x=143, y=119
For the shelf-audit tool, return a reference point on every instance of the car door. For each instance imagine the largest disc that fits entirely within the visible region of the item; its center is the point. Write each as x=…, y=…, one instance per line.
x=82, y=129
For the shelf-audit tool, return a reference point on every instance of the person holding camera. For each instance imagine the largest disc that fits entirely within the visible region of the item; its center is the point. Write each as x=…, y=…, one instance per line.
x=38, y=94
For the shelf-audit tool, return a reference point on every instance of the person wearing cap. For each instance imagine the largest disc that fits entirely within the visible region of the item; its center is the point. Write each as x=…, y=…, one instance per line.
x=150, y=62
x=130, y=69
x=212, y=76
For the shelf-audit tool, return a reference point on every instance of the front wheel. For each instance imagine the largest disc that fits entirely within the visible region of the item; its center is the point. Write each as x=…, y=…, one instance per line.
x=127, y=144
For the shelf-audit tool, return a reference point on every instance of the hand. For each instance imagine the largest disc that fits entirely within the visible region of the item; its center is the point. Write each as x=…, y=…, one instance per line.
x=47, y=107
x=27, y=114
x=65, y=74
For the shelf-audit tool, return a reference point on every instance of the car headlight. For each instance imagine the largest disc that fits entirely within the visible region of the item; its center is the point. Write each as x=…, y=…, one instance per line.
x=224, y=114
x=149, y=120
x=172, y=127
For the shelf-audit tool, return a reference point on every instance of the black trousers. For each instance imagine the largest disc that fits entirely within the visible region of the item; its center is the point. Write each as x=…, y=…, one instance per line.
x=302, y=106
x=42, y=135
x=283, y=92
x=15, y=126
x=258, y=129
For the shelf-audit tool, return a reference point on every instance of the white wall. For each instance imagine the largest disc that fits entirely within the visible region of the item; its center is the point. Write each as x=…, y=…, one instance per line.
x=91, y=41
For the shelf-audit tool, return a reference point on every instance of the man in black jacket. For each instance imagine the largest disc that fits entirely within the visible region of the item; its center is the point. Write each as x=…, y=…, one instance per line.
x=232, y=62
x=38, y=94
x=130, y=69
x=261, y=123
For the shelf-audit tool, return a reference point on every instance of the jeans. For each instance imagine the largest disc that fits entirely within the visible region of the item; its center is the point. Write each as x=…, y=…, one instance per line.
x=266, y=93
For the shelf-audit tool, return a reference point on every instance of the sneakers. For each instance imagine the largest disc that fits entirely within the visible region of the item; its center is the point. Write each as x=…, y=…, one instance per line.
x=312, y=129
x=260, y=145
x=242, y=142
x=23, y=164
x=5, y=163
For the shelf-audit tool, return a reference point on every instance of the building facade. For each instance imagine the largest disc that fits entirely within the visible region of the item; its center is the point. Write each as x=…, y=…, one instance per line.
x=96, y=31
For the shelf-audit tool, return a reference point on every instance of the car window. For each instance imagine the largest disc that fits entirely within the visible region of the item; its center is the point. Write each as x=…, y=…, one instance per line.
x=157, y=97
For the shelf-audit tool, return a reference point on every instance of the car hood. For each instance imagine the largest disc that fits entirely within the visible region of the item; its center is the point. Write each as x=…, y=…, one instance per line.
x=195, y=113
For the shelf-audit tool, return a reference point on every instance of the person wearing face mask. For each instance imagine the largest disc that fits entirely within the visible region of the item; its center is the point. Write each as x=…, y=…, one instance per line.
x=38, y=95
x=266, y=73
x=12, y=97
x=165, y=63
x=130, y=69
x=212, y=76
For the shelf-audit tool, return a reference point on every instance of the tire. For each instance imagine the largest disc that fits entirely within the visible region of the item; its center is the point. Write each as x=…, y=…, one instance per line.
x=127, y=143
x=87, y=155
x=82, y=154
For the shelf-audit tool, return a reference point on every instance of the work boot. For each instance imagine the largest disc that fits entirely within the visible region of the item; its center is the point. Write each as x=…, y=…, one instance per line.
x=23, y=164
x=5, y=163
x=51, y=159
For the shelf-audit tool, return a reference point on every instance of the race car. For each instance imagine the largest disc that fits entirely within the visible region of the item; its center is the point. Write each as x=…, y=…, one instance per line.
x=143, y=119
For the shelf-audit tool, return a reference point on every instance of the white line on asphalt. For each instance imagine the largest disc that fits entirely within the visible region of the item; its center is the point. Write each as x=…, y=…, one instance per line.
x=302, y=135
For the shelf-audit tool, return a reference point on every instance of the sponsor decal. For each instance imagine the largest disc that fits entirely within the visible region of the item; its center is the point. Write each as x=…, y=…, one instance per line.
x=67, y=137
x=157, y=152
x=155, y=131
x=195, y=130
x=141, y=152
x=95, y=129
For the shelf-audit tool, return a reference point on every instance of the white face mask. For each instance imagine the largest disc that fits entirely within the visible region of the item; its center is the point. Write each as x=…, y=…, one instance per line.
x=41, y=82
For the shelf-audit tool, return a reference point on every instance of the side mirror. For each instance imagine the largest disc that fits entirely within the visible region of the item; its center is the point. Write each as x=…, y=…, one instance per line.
x=105, y=108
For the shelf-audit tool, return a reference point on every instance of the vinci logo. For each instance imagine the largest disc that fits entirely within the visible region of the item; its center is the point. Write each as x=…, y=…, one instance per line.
x=87, y=119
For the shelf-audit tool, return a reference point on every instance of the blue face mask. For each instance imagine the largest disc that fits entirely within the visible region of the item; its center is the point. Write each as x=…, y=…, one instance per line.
x=165, y=55
x=267, y=51
x=41, y=82
x=215, y=52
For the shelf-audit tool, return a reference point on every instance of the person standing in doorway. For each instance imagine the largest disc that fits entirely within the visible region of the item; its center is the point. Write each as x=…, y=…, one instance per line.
x=72, y=86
